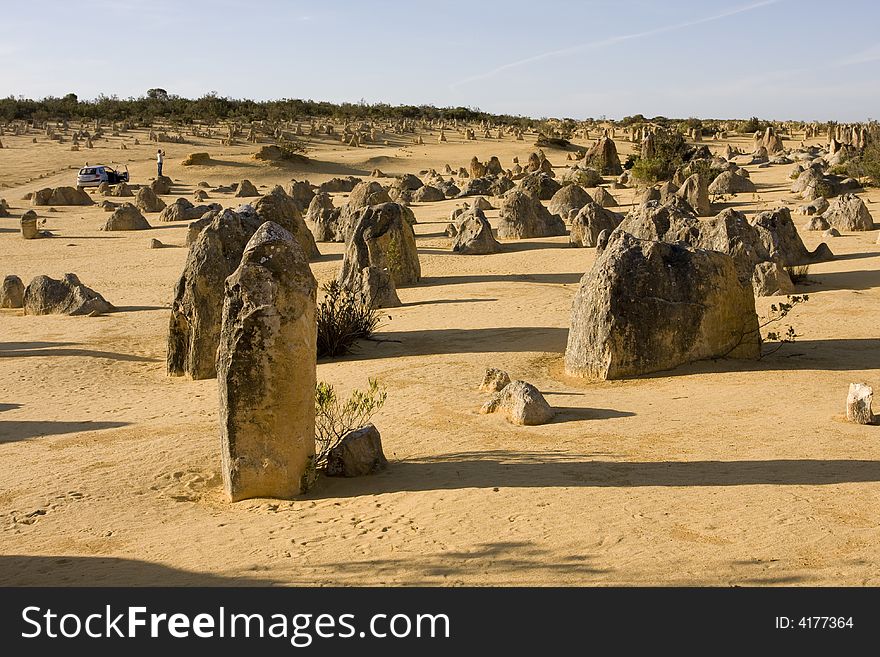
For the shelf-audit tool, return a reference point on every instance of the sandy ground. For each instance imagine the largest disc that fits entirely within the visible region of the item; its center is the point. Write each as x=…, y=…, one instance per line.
x=716, y=473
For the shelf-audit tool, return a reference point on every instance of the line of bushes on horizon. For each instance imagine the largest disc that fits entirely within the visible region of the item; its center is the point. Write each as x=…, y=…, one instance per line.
x=158, y=105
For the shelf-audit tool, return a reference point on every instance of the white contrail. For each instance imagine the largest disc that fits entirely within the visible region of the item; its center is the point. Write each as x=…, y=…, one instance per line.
x=612, y=40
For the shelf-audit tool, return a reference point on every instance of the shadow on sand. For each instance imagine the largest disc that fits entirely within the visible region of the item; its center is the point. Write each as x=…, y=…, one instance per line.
x=503, y=469
x=42, y=570
x=392, y=344
x=860, y=279
x=564, y=279
x=517, y=246
x=12, y=431
x=28, y=349
x=136, y=309
x=432, y=302
x=507, y=562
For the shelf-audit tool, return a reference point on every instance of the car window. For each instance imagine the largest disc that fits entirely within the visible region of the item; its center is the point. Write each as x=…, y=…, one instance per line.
x=86, y=172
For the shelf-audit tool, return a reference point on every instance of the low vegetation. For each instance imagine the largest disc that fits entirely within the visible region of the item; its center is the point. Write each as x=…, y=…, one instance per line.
x=334, y=418
x=866, y=164
x=343, y=319
x=159, y=105
x=291, y=148
x=754, y=124
x=776, y=339
x=670, y=149
x=778, y=312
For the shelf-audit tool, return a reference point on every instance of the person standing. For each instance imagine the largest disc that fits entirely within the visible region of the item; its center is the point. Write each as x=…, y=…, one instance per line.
x=160, y=157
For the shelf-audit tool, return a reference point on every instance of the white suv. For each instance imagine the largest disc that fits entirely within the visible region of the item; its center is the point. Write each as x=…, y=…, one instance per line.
x=94, y=176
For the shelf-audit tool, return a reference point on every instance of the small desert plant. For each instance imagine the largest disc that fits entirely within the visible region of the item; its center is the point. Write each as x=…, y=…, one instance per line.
x=855, y=169
x=335, y=418
x=869, y=162
x=670, y=149
x=777, y=313
x=798, y=273
x=291, y=148
x=343, y=318
x=648, y=170
x=754, y=124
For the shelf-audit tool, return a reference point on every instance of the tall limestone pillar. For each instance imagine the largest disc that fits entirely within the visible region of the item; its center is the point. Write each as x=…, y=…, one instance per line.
x=266, y=370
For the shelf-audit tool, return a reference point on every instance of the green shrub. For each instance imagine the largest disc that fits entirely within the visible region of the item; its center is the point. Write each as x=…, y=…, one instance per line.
x=343, y=319
x=869, y=163
x=334, y=418
x=670, y=148
x=648, y=170
x=754, y=124
x=291, y=149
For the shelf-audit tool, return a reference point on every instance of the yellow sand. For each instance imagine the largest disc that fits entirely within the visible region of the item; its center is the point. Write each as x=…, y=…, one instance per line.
x=717, y=473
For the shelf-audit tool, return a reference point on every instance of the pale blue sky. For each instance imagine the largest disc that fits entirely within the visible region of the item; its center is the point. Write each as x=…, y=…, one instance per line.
x=801, y=59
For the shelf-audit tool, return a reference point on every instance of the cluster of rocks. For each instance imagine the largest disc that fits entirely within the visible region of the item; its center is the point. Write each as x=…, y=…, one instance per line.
x=245, y=311
x=217, y=241
x=183, y=210
x=161, y=185
x=126, y=217
x=266, y=364
x=50, y=296
x=380, y=255
x=339, y=184
x=523, y=216
x=519, y=401
x=812, y=182
x=472, y=233
x=61, y=196
x=669, y=287
x=847, y=212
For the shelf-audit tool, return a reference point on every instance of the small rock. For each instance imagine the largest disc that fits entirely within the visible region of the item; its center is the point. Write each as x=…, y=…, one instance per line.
x=494, y=380
x=817, y=222
x=522, y=402
x=68, y=296
x=858, y=404
x=29, y=229
x=155, y=244
x=12, y=292
x=246, y=189
x=359, y=453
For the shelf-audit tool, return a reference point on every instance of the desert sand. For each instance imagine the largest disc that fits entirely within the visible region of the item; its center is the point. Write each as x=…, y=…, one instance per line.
x=716, y=473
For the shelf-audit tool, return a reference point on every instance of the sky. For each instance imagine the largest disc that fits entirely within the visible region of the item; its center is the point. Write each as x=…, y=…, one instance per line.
x=776, y=59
